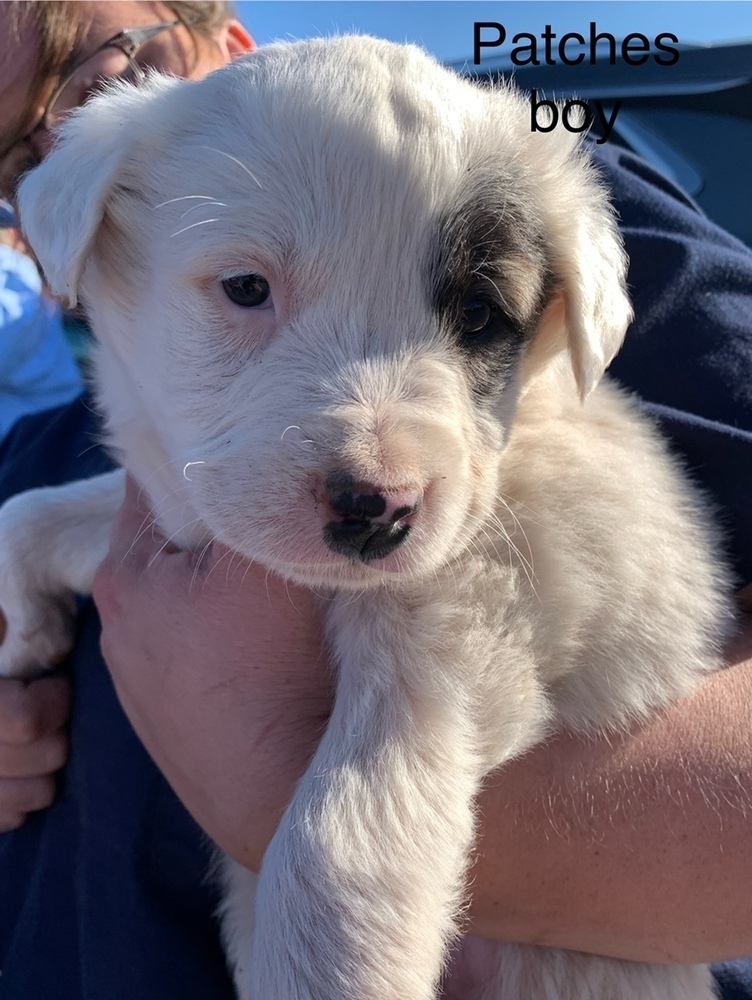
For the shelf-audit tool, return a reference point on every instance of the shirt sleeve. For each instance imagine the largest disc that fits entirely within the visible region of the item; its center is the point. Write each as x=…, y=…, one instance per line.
x=37, y=368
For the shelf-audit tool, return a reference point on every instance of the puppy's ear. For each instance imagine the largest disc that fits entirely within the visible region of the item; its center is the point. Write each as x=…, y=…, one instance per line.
x=592, y=265
x=62, y=201
x=597, y=308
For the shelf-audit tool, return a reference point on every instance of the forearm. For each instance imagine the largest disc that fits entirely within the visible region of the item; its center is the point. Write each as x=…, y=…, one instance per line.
x=637, y=847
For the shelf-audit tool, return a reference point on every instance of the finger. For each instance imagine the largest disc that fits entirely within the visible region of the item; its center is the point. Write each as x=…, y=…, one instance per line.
x=46, y=756
x=11, y=822
x=134, y=534
x=30, y=710
x=141, y=579
x=135, y=543
x=19, y=796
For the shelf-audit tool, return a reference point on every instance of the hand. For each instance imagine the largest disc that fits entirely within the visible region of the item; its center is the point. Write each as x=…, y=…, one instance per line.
x=33, y=744
x=219, y=666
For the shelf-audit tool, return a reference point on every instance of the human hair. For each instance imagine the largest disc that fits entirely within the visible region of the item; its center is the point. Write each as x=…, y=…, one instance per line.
x=204, y=16
x=57, y=24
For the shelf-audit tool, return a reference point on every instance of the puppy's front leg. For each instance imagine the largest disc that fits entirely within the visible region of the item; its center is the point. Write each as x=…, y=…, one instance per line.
x=51, y=542
x=361, y=885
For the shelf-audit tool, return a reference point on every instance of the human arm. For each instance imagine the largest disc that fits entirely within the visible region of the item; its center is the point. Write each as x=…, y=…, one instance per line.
x=231, y=706
x=37, y=368
x=638, y=846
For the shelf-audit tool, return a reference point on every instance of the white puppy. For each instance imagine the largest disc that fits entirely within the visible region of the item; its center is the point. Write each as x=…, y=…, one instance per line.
x=349, y=310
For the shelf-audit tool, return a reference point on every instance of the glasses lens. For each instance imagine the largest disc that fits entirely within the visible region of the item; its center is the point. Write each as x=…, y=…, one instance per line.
x=7, y=215
x=91, y=77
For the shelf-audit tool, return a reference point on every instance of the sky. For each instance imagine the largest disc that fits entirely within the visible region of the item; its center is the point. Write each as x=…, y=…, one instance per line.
x=445, y=27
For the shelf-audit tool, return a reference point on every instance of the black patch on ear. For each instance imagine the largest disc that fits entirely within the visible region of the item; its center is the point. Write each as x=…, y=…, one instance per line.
x=490, y=261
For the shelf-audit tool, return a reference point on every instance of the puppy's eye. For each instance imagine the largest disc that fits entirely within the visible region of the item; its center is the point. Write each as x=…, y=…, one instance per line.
x=476, y=318
x=247, y=290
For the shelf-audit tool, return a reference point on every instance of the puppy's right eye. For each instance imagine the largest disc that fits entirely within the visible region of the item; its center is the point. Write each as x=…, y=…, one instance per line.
x=247, y=290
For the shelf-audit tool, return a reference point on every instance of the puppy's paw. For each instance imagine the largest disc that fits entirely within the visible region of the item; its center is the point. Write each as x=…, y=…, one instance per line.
x=36, y=628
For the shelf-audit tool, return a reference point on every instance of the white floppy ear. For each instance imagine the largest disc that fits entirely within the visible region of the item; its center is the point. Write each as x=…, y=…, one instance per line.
x=62, y=202
x=589, y=261
x=597, y=308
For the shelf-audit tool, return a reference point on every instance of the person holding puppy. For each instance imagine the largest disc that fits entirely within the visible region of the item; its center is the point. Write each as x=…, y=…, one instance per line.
x=229, y=690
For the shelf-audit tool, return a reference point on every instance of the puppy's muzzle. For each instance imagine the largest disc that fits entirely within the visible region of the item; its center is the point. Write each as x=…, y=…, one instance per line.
x=366, y=521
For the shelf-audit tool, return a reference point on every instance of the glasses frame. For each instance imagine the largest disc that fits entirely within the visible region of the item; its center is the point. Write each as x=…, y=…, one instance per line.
x=128, y=41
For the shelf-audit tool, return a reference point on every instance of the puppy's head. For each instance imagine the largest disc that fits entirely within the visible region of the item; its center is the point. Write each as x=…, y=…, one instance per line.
x=322, y=272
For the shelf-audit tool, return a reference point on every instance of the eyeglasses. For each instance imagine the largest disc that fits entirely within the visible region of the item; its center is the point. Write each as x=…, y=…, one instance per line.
x=7, y=217
x=115, y=59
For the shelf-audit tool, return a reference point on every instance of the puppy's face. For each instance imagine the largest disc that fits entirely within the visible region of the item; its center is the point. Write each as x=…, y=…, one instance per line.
x=323, y=272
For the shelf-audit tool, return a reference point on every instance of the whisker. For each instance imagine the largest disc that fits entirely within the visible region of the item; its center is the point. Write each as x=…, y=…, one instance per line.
x=193, y=225
x=185, y=197
x=187, y=464
x=234, y=159
x=203, y=204
x=289, y=598
x=224, y=555
x=167, y=541
x=197, y=566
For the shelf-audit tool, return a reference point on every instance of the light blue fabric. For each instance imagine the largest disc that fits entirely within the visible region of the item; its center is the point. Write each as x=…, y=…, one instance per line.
x=37, y=369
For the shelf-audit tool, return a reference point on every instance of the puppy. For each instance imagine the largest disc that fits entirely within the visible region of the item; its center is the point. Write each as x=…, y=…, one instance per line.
x=352, y=319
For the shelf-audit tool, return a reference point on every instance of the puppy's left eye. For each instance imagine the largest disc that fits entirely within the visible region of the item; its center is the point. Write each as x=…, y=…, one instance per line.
x=247, y=290
x=477, y=317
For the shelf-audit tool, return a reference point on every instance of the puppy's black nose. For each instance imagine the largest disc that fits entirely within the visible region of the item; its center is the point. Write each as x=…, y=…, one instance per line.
x=367, y=522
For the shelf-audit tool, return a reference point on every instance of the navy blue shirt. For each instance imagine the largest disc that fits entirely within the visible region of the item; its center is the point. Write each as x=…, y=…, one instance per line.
x=104, y=894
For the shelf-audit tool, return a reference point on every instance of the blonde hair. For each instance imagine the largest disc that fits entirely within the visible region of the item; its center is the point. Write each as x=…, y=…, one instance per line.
x=58, y=22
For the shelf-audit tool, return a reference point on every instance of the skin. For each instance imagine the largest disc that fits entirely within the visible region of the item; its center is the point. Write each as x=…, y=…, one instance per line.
x=665, y=808
x=637, y=846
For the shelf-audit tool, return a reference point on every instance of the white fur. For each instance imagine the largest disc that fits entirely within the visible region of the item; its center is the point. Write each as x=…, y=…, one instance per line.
x=559, y=572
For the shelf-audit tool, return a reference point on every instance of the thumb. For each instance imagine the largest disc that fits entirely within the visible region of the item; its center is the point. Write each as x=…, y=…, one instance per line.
x=135, y=536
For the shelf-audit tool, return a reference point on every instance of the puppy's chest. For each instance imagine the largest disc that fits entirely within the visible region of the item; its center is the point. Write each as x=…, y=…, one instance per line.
x=435, y=627
x=558, y=548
